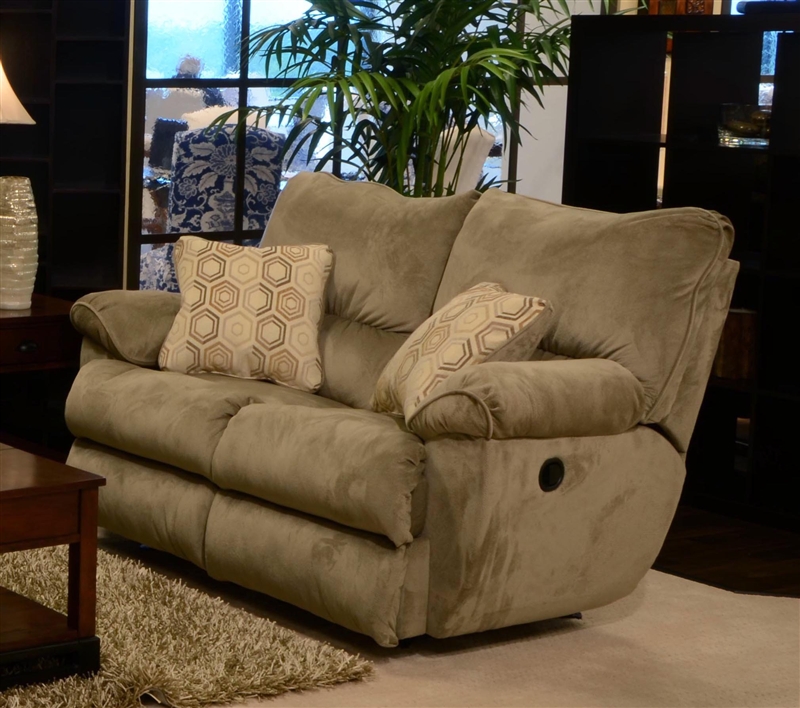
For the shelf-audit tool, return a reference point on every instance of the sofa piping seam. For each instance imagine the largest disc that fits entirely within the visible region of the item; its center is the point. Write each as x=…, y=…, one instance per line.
x=692, y=316
x=138, y=362
x=459, y=392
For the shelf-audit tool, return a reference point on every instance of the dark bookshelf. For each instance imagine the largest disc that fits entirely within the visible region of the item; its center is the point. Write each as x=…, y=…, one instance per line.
x=742, y=460
x=67, y=61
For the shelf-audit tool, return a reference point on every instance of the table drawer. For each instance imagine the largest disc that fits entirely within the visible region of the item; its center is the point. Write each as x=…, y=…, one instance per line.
x=39, y=517
x=46, y=343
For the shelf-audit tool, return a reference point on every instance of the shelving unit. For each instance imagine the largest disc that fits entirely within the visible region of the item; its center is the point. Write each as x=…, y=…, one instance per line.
x=742, y=460
x=67, y=61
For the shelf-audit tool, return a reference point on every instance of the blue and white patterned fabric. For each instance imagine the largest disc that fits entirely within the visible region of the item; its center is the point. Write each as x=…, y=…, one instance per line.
x=157, y=270
x=201, y=196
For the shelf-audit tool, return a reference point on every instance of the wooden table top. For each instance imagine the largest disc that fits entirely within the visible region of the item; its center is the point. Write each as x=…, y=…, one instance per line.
x=43, y=307
x=26, y=475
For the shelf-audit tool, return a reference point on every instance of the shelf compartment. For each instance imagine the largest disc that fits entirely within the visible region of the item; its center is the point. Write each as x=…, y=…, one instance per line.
x=90, y=61
x=786, y=99
x=720, y=445
x=86, y=249
x=26, y=6
x=28, y=72
x=708, y=70
x=692, y=178
x=778, y=368
x=782, y=247
x=27, y=141
x=776, y=484
x=82, y=133
x=90, y=19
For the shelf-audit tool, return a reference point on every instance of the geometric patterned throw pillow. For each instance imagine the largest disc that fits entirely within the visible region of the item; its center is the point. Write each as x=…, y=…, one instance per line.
x=253, y=313
x=485, y=323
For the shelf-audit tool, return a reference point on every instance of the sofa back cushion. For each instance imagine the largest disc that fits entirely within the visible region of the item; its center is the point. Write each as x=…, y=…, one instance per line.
x=627, y=287
x=389, y=255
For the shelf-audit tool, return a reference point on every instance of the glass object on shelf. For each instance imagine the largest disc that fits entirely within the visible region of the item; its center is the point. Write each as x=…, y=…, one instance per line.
x=19, y=230
x=744, y=125
x=266, y=13
x=188, y=39
x=765, y=91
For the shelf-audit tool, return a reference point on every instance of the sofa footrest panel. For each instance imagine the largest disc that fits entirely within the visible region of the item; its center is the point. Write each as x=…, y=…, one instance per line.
x=147, y=501
x=504, y=551
x=350, y=577
x=357, y=468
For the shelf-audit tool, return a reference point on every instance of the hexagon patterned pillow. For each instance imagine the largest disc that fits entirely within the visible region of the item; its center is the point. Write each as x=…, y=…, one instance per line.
x=253, y=313
x=484, y=323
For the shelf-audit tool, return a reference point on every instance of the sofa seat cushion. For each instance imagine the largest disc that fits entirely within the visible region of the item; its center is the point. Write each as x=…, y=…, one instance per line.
x=295, y=449
x=166, y=416
x=355, y=467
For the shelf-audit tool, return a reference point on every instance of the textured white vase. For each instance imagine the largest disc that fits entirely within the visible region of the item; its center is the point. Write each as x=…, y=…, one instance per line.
x=18, y=243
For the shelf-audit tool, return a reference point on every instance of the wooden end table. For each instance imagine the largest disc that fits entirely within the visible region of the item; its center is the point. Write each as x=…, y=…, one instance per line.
x=45, y=503
x=39, y=358
x=39, y=338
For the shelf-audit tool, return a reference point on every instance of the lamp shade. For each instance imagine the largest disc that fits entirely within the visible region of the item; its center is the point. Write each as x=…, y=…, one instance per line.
x=11, y=110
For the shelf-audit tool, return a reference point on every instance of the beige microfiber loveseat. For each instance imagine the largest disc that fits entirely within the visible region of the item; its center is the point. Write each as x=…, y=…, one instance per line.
x=443, y=528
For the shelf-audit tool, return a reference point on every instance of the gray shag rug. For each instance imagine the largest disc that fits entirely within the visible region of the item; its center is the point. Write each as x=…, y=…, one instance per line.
x=162, y=639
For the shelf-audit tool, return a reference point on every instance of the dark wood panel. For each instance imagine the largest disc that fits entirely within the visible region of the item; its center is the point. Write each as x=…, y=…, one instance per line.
x=25, y=623
x=43, y=309
x=33, y=345
x=715, y=60
x=40, y=517
x=25, y=475
x=707, y=71
x=785, y=136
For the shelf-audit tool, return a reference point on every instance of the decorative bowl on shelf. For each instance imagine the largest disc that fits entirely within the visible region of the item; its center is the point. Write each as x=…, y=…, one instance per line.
x=744, y=125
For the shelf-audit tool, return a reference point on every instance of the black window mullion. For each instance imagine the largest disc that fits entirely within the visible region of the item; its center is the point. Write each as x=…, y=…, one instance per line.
x=241, y=135
x=136, y=238
x=135, y=190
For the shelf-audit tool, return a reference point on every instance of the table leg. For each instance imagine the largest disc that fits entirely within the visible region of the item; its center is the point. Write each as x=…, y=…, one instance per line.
x=83, y=569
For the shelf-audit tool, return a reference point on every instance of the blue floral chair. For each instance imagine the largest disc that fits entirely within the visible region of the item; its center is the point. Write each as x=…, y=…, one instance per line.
x=201, y=194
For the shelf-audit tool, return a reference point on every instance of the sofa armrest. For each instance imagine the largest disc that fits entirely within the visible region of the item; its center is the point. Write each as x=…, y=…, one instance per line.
x=533, y=399
x=130, y=324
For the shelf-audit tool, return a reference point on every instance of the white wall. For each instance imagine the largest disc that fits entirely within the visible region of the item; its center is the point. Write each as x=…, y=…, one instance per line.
x=540, y=164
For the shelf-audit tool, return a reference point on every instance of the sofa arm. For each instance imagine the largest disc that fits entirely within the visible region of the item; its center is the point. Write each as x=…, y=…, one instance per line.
x=533, y=399
x=130, y=324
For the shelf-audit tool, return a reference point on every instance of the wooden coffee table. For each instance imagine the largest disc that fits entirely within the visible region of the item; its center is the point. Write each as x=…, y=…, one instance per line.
x=46, y=503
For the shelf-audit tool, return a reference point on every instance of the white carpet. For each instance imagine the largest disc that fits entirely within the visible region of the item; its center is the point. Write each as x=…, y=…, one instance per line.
x=672, y=643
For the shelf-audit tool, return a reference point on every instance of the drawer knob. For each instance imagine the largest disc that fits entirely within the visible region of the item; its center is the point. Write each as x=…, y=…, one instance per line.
x=27, y=347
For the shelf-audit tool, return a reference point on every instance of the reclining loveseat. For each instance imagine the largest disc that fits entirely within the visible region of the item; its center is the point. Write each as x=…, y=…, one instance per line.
x=536, y=489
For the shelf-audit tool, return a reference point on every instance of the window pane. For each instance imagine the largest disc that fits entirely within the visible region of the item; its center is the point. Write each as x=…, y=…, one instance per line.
x=191, y=39
x=303, y=161
x=265, y=13
x=173, y=119
x=493, y=167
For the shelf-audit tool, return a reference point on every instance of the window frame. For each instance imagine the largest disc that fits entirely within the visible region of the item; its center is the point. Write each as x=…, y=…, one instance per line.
x=139, y=86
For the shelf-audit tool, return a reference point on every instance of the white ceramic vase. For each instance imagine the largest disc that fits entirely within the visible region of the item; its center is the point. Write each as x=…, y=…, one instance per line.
x=18, y=243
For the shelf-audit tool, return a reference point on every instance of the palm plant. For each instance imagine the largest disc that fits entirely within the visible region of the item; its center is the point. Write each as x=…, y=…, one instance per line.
x=405, y=81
